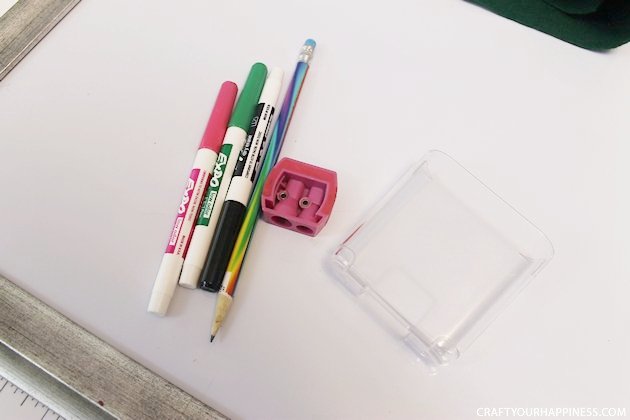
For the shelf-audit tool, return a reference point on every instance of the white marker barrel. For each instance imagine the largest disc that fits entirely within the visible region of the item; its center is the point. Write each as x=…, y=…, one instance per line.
x=166, y=280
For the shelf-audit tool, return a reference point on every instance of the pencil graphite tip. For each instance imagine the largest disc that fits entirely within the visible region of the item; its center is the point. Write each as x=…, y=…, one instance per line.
x=211, y=338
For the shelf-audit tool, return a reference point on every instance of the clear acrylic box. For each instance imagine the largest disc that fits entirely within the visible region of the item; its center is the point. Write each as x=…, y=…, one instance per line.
x=439, y=258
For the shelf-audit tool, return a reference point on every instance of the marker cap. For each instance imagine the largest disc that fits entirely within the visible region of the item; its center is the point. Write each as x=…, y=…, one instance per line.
x=159, y=302
x=271, y=91
x=164, y=287
x=217, y=123
x=190, y=276
x=247, y=101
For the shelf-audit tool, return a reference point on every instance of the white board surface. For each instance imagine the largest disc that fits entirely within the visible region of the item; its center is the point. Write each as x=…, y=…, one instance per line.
x=100, y=122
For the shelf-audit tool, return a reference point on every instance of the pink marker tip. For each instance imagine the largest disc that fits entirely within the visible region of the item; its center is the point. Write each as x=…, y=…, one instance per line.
x=218, y=121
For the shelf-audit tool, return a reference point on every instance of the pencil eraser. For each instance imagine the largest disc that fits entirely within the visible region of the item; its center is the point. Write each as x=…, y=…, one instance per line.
x=299, y=196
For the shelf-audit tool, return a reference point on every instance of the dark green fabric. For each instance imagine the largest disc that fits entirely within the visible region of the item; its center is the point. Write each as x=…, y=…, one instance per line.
x=580, y=7
x=592, y=24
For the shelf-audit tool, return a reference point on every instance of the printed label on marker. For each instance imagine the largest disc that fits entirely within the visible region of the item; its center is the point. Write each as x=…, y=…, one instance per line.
x=243, y=156
x=254, y=167
x=249, y=159
x=215, y=183
x=181, y=212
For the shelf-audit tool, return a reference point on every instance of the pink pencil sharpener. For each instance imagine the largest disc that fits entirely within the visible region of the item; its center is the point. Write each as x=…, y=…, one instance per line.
x=299, y=196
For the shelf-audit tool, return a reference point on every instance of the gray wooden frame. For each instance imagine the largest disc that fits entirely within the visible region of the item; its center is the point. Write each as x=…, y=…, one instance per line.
x=98, y=373
x=24, y=25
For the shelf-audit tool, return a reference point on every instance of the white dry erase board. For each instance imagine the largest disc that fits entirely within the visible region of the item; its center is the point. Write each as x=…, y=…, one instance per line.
x=100, y=122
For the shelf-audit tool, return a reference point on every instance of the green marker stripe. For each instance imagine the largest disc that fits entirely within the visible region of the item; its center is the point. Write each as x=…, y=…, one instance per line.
x=215, y=183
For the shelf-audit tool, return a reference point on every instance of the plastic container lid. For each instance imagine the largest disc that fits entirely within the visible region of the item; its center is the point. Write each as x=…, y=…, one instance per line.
x=439, y=257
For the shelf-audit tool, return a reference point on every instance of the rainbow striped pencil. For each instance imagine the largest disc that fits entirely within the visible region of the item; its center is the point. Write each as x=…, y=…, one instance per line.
x=226, y=293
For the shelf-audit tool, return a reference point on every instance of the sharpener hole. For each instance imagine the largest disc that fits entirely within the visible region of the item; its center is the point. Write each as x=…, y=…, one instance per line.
x=281, y=221
x=305, y=229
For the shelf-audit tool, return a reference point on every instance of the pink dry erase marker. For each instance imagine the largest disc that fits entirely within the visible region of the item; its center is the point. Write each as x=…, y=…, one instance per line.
x=196, y=185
